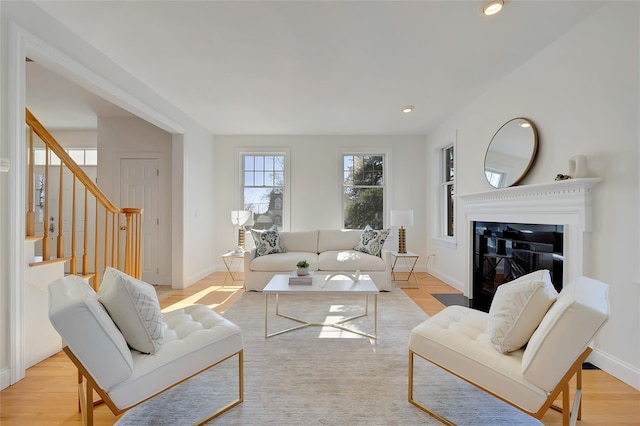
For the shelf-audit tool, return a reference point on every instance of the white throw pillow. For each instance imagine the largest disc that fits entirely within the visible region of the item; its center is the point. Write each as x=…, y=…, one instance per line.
x=371, y=241
x=268, y=242
x=517, y=309
x=133, y=305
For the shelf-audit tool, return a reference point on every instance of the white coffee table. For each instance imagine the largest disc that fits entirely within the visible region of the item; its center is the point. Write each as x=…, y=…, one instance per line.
x=336, y=285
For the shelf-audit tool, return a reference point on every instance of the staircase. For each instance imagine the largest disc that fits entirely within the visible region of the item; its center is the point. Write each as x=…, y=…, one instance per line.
x=71, y=228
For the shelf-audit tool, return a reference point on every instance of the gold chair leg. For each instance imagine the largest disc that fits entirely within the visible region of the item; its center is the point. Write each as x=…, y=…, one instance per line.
x=432, y=413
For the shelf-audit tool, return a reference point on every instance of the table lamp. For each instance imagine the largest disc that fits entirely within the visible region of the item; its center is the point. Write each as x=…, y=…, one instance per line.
x=241, y=218
x=402, y=218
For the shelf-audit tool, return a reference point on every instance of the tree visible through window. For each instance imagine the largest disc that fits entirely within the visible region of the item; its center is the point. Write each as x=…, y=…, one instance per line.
x=448, y=188
x=263, y=188
x=363, y=191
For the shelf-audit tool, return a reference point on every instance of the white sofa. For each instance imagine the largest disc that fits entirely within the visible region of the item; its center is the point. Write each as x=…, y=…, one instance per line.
x=327, y=251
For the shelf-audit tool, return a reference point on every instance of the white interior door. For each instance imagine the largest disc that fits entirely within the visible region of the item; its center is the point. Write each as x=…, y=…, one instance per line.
x=139, y=188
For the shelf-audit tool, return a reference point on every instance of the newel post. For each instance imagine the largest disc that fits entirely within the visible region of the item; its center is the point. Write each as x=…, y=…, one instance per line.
x=133, y=242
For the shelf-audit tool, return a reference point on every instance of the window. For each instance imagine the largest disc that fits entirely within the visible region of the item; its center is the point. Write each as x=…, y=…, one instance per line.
x=363, y=190
x=448, y=191
x=263, y=188
x=82, y=156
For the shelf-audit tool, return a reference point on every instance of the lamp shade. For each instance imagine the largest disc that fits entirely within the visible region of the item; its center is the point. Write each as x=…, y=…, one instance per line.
x=241, y=217
x=401, y=217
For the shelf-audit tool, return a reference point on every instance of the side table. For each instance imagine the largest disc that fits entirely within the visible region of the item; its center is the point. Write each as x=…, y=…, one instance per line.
x=409, y=259
x=229, y=259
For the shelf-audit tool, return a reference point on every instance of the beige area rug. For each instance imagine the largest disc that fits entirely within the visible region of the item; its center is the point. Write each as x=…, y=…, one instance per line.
x=325, y=376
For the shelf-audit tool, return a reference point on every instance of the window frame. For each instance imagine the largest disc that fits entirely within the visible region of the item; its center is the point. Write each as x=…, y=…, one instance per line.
x=286, y=198
x=386, y=179
x=440, y=195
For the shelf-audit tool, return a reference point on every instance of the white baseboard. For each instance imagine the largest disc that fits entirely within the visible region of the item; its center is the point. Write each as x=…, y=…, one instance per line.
x=615, y=367
x=200, y=275
x=40, y=354
x=5, y=378
x=458, y=285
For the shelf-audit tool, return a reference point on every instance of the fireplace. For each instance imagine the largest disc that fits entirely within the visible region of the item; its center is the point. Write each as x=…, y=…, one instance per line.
x=503, y=252
x=559, y=207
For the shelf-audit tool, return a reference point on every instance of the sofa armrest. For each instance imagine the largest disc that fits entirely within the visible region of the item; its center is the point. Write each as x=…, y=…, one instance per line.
x=386, y=256
x=249, y=255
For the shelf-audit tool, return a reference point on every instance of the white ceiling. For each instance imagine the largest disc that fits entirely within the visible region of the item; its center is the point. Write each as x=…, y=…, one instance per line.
x=310, y=67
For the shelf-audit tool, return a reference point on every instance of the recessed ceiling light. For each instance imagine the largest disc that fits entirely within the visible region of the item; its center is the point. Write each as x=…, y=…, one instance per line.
x=493, y=7
x=407, y=109
x=525, y=124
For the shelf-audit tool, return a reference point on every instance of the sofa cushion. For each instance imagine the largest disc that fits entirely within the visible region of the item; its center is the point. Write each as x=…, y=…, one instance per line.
x=371, y=240
x=268, y=241
x=517, y=309
x=337, y=239
x=349, y=260
x=133, y=305
x=300, y=241
x=284, y=262
x=88, y=330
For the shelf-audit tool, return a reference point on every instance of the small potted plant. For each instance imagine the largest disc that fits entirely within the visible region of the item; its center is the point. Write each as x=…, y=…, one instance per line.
x=303, y=267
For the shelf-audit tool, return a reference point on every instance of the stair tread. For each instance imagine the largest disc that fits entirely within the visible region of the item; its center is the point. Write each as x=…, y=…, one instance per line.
x=50, y=261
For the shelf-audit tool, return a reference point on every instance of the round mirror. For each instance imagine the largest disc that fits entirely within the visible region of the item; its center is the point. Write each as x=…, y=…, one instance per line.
x=511, y=153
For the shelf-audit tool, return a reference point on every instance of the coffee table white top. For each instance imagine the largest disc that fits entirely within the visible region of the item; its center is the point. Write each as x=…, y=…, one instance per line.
x=319, y=284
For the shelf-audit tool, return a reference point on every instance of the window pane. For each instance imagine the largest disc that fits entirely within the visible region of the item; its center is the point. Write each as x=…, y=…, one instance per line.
x=248, y=179
x=77, y=155
x=363, y=206
x=450, y=194
x=259, y=163
x=91, y=157
x=449, y=171
x=278, y=179
x=38, y=157
x=53, y=159
x=249, y=162
x=259, y=179
x=268, y=162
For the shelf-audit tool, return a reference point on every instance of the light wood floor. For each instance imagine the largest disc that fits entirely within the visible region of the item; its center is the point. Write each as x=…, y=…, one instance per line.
x=47, y=396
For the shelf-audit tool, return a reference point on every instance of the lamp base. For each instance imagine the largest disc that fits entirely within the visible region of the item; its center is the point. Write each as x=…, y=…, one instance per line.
x=402, y=241
x=241, y=233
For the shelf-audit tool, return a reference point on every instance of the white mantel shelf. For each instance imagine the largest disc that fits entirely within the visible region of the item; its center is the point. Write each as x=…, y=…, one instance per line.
x=559, y=188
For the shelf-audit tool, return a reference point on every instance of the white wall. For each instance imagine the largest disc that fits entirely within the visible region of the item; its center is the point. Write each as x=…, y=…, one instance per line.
x=315, y=166
x=54, y=46
x=582, y=93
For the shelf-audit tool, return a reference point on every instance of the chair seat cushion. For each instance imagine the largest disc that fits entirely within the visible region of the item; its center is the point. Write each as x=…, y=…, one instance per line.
x=196, y=338
x=456, y=339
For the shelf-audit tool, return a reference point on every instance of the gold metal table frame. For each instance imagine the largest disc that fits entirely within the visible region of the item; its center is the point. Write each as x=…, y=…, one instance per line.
x=336, y=324
x=339, y=285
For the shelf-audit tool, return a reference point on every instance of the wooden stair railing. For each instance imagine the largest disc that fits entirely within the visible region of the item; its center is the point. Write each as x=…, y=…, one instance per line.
x=108, y=248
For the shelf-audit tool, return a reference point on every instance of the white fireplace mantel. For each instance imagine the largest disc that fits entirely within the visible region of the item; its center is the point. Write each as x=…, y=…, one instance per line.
x=566, y=202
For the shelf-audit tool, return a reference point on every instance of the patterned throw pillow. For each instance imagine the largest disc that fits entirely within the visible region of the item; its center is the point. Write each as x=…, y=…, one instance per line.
x=268, y=242
x=371, y=241
x=133, y=305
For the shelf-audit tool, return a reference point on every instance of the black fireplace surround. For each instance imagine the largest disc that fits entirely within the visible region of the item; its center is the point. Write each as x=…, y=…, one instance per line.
x=503, y=252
